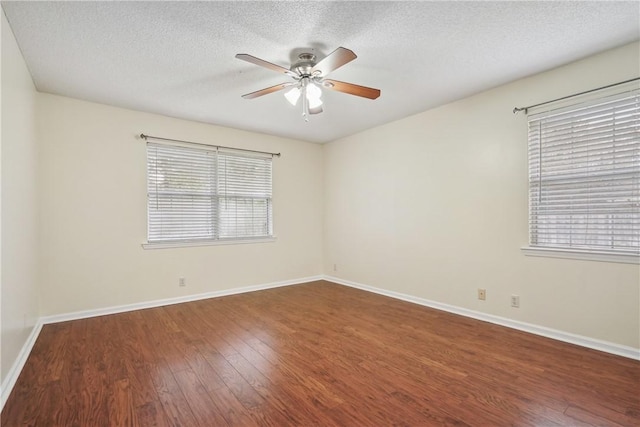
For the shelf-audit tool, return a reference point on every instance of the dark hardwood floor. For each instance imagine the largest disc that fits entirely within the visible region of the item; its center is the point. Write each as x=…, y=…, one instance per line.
x=316, y=354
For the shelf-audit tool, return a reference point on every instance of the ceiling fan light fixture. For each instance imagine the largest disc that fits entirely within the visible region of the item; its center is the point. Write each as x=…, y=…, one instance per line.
x=313, y=92
x=314, y=103
x=315, y=110
x=293, y=95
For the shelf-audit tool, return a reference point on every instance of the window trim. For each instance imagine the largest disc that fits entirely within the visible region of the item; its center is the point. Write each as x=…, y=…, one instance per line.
x=207, y=242
x=575, y=254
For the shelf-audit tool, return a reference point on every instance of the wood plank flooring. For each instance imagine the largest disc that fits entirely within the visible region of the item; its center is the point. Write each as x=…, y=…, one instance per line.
x=316, y=354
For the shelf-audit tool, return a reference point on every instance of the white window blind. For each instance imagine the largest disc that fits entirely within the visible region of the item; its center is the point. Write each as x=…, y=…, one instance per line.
x=197, y=194
x=584, y=176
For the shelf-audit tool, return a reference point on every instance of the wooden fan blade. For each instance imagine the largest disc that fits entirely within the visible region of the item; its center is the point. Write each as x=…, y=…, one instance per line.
x=333, y=61
x=268, y=90
x=351, y=89
x=265, y=64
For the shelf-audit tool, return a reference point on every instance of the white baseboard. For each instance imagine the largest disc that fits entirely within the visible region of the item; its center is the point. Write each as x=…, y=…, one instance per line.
x=18, y=364
x=170, y=301
x=14, y=372
x=607, y=347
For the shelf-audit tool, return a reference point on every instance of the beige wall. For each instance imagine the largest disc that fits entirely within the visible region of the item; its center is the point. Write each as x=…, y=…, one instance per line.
x=19, y=213
x=93, y=199
x=435, y=206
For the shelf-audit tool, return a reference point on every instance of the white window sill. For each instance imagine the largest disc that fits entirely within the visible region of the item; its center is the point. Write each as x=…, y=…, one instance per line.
x=168, y=245
x=582, y=255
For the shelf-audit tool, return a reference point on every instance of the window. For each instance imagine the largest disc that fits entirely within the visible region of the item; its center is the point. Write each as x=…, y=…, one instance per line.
x=584, y=176
x=200, y=195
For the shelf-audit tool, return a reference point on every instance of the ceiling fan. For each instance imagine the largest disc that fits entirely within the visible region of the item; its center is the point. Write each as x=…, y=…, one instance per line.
x=309, y=78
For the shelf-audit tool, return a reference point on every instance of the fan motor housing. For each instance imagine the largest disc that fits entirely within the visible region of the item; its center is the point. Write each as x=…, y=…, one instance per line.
x=306, y=61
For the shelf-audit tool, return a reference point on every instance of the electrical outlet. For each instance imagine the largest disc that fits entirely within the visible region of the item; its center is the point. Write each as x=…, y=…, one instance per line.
x=482, y=294
x=182, y=282
x=515, y=301
x=335, y=267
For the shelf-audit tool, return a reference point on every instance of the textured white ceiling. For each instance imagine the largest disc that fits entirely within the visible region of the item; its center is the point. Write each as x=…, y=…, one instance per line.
x=177, y=58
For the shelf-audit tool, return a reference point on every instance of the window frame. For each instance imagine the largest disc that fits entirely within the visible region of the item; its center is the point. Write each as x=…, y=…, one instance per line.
x=579, y=253
x=213, y=238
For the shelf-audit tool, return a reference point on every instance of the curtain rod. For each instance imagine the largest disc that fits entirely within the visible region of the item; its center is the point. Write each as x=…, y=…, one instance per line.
x=516, y=110
x=147, y=137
